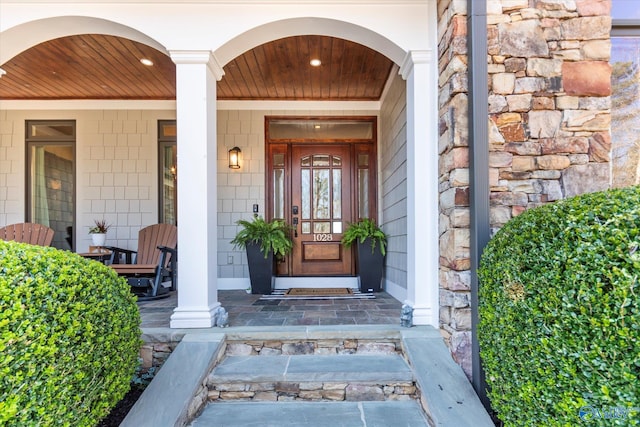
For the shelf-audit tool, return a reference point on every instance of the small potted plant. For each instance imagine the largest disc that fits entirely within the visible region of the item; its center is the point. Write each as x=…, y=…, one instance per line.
x=99, y=232
x=372, y=244
x=264, y=241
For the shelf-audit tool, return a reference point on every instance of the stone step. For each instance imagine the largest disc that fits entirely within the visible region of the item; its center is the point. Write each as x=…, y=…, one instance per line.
x=312, y=368
x=311, y=414
x=312, y=378
x=179, y=391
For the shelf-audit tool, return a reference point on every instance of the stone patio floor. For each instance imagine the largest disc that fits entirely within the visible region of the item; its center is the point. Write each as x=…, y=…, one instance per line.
x=248, y=310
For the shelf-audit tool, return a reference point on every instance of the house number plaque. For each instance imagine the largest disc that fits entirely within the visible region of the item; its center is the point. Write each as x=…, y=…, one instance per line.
x=322, y=237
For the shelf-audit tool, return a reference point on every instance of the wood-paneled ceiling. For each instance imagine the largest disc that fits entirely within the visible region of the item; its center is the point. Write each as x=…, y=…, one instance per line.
x=92, y=66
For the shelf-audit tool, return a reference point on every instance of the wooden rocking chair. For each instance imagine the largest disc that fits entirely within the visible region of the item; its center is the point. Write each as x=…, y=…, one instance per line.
x=153, y=263
x=28, y=232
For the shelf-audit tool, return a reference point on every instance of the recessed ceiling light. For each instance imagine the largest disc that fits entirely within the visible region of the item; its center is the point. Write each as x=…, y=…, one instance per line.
x=315, y=62
x=146, y=62
x=316, y=127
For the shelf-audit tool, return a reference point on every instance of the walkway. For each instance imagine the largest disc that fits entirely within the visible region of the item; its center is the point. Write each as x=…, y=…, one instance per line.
x=181, y=390
x=177, y=392
x=248, y=310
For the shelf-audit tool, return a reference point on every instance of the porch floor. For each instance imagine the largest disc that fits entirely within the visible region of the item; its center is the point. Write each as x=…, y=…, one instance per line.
x=248, y=310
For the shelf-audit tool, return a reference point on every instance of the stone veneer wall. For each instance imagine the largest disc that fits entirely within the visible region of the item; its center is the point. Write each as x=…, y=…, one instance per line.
x=549, y=120
x=455, y=277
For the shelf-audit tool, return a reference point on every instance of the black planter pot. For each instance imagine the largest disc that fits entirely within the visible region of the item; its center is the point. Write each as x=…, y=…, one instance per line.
x=261, y=270
x=370, y=267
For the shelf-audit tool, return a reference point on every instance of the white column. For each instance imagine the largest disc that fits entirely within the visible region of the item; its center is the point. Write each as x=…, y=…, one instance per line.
x=196, y=76
x=419, y=71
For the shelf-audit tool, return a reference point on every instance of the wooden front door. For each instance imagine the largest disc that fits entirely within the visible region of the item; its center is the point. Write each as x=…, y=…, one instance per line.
x=320, y=208
x=320, y=177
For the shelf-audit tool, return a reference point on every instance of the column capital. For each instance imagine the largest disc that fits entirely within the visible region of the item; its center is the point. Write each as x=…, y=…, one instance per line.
x=415, y=57
x=198, y=57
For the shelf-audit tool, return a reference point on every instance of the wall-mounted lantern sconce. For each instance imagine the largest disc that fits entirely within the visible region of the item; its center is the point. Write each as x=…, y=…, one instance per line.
x=234, y=158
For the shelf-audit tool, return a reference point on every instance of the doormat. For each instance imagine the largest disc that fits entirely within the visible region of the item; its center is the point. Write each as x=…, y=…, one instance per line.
x=317, y=293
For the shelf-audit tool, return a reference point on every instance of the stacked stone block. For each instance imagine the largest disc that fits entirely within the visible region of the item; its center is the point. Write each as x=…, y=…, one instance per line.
x=455, y=277
x=311, y=390
x=320, y=347
x=549, y=102
x=549, y=120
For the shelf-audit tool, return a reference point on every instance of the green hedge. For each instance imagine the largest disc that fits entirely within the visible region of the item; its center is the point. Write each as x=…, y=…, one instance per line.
x=559, y=307
x=69, y=337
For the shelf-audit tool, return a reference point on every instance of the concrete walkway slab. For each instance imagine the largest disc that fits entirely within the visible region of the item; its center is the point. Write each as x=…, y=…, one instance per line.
x=312, y=414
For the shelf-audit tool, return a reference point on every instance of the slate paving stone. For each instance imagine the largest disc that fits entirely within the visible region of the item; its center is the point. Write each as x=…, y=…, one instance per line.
x=249, y=310
x=320, y=314
x=340, y=321
x=275, y=308
x=266, y=302
x=387, y=306
x=303, y=321
x=287, y=314
x=352, y=313
x=252, y=316
x=266, y=322
x=312, y=414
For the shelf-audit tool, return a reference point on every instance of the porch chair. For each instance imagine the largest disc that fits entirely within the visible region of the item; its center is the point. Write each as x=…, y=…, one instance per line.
x=28, y=232
x=153, y=263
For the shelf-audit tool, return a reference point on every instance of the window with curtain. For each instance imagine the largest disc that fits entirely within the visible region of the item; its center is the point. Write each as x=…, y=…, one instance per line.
x=168, y=172
x=625, y=97
x=51, y=178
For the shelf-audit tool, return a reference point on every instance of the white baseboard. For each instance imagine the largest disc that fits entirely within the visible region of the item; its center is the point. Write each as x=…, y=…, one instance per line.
x=395, y=290
x=242, y=283
x=316, y=282
x=233, y=283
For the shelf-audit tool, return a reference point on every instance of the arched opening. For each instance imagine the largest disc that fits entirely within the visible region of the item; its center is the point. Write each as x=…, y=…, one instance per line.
x=398, y=119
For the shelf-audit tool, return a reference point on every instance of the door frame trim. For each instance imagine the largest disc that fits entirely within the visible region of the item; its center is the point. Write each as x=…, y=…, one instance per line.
x=284, y=146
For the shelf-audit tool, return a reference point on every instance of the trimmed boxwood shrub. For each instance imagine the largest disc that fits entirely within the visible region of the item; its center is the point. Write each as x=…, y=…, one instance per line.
x=559, y=308
x=69, y=337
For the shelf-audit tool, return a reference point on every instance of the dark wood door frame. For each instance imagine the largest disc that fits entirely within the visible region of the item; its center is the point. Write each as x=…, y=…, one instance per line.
x=278, y=154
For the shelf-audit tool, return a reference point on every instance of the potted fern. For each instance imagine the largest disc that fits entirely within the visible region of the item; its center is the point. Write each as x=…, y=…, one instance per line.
x=264, y=241
x=371, y=242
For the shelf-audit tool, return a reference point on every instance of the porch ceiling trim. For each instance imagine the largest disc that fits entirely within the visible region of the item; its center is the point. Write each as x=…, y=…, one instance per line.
x=87, y=104
x=102, y=104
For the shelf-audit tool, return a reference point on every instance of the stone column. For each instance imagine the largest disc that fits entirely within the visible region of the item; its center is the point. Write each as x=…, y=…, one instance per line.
x=419, y=71
x=196, y=76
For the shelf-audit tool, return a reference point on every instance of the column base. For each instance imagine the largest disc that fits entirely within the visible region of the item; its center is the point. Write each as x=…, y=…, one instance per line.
x=424, y=315
x=194, y=317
